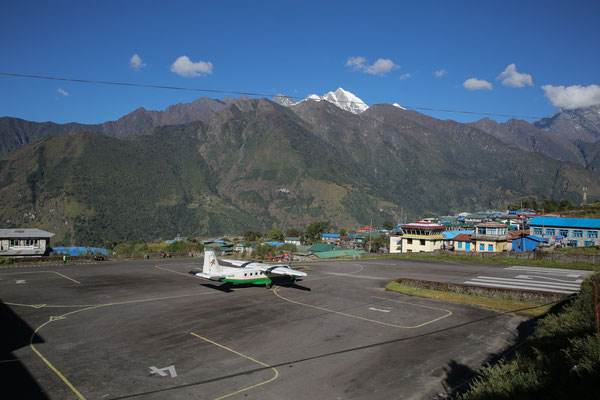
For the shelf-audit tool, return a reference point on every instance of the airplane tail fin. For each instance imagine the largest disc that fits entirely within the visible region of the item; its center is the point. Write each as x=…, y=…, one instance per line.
x=211, y=264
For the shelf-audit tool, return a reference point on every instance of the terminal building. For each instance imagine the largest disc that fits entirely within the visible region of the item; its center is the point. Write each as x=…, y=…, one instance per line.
x=24, y=242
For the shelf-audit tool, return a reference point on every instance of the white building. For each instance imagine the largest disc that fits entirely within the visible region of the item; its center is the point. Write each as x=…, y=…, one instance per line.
x=24, y=242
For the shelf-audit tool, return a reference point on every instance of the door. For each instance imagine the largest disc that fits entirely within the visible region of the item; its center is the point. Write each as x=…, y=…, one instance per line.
x=468, y=246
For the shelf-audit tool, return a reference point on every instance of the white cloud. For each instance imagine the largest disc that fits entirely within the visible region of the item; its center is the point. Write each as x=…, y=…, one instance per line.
x=477, y=84
x=575, y=96
x=356, y=63
x=183, y=66
x=439, y=73
x=64, y=93
x=136, y=63
x=404, y=76
x=510, y=77
x=380, y=67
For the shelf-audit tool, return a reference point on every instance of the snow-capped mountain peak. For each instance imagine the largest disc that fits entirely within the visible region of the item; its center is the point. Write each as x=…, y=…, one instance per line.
x=343, y=99
x=284, y=100
x=399, y=106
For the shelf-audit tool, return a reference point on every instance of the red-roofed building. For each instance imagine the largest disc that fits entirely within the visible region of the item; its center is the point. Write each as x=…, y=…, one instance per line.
x=422, y=237
x=463, y=242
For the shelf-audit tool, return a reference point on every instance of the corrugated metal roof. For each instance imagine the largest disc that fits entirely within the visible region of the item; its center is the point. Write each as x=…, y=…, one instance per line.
x=339, y=253
x=463, y=237
x=24, y=233
x=423, y=225
x=449, y=235
x=491, y=225
x=590, y=223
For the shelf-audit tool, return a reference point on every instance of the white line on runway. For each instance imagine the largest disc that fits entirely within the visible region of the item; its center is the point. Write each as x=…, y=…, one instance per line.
x=526, y=283
x=550, y=279
x=536, y=289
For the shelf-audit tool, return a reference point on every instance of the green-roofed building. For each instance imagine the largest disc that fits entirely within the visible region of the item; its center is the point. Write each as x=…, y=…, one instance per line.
x=343, y=253
x=320, y=247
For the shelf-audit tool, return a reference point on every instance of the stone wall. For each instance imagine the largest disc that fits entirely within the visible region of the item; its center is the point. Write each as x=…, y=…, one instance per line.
x=528, y=255
x=497, y=293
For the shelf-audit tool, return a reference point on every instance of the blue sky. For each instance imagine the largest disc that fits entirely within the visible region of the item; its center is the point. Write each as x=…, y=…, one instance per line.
x=299, y=48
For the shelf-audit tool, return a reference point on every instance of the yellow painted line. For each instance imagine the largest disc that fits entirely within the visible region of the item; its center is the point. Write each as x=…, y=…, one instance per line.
x=245, y=356
x=64, y=316
x=363, y=318
x=49, y=364
x=66, y=277
x=177, y=272
x=38, y=272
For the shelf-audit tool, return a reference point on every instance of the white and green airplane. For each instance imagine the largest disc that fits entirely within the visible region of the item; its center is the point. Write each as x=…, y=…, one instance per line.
x=246, y=271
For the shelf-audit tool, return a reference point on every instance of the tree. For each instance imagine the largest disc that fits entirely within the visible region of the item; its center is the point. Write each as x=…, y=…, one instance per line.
x=378, y=243
x=316, y=229
x=566, y=205
x=293, y=232
x=342, y=232
x=252, y=236
x=275, y=235
x=388, y=225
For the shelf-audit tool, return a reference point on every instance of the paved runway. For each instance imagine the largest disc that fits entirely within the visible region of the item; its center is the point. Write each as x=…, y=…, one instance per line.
x=148, y=329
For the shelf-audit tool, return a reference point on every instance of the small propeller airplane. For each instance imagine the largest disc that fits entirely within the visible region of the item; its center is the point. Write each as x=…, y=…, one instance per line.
x=245, y=271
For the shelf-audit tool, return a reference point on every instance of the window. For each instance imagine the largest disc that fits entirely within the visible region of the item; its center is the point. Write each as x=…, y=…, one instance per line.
x=577, y=233
x=481, y=246
x=460, y=245
x=481, y=231
x=490, y=247
x=408, y=241
x=588, y=243
x=592, y=234
x=550, y=232
x=422, y=242
x=537, y=231
x=564, y=232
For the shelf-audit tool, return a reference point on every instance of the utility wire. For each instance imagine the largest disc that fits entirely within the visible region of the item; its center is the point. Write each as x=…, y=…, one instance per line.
x=53, y=78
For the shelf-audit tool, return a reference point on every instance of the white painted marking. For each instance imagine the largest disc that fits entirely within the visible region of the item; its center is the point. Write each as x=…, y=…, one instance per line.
x=378, y=309
x=21, y=281
x=536, y=289
x=161, y=371
x=529, y=283
x=551, y=271
x=550, y=279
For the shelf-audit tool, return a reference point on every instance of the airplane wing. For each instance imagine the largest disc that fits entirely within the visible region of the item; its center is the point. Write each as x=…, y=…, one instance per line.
x=280, y=270
x=237, y=263
x=208, y=276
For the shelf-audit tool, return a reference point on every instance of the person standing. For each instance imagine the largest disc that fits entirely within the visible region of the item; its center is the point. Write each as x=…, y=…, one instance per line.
x=64, y=259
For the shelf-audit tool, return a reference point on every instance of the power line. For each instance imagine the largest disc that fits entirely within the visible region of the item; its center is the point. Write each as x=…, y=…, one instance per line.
x=53, y=78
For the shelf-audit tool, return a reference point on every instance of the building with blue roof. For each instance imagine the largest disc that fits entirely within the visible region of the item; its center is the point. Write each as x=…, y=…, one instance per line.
x=527, y=243
x=572, y=232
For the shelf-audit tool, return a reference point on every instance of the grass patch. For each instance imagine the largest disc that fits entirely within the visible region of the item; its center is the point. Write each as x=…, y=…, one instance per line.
x=5, y=261
x=518, y=307
x=591, y=250
x=503, y=260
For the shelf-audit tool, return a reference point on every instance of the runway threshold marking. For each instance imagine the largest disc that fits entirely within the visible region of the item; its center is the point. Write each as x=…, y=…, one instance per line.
x=55, y=318
x=449, y=313
x=245, y=356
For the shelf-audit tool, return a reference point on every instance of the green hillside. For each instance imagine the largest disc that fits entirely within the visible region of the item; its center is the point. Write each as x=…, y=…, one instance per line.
x=257, y=165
